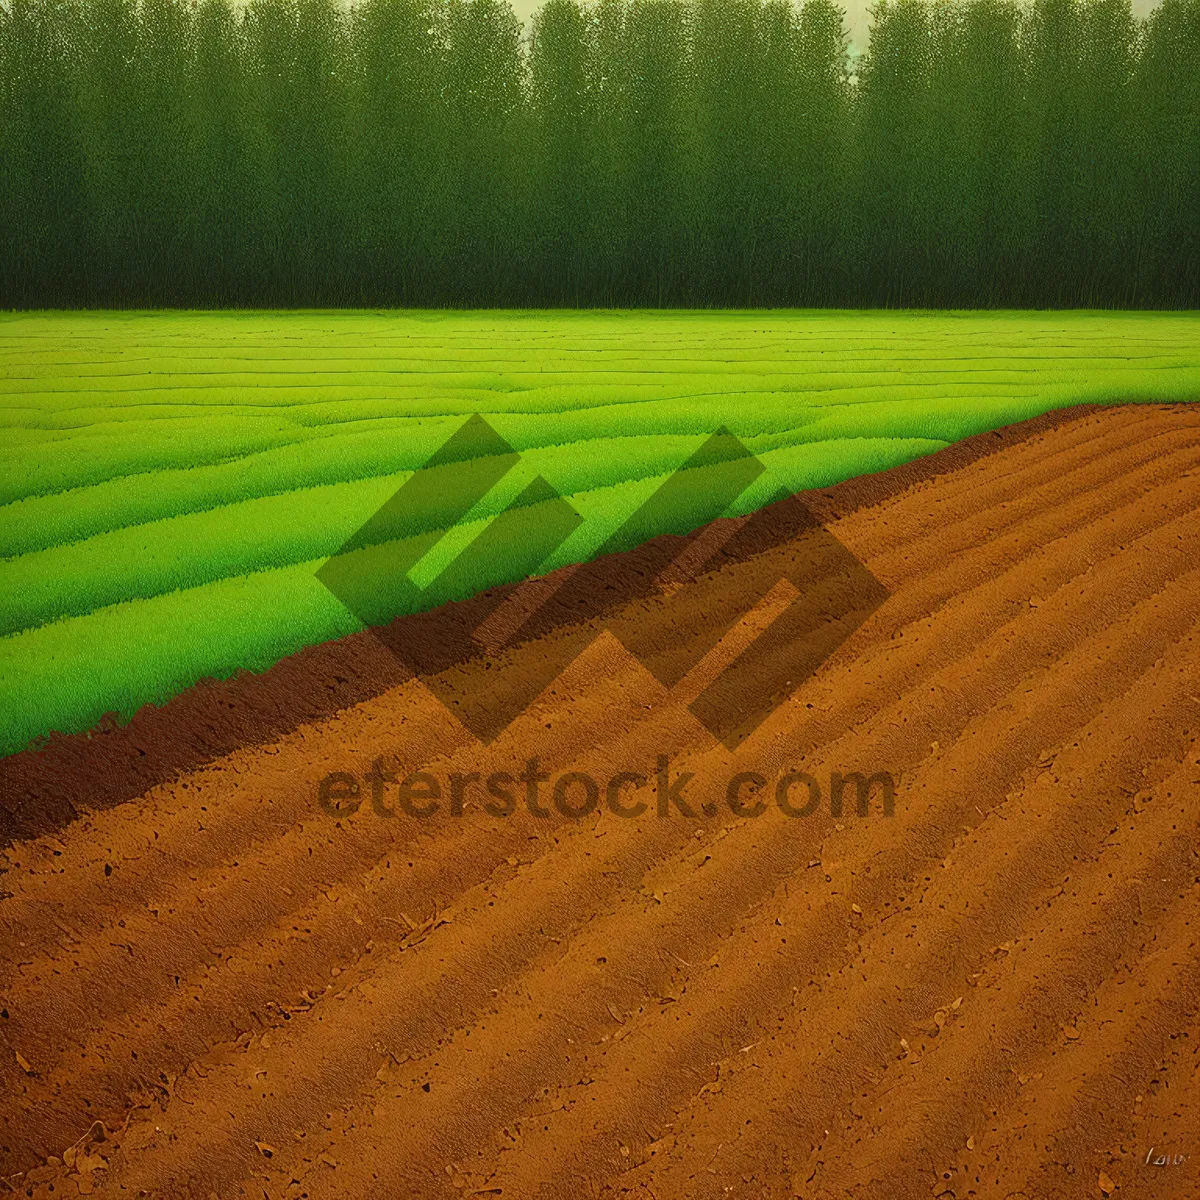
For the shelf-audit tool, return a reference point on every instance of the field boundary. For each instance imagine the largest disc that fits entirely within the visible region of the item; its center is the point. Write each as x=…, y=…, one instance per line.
x=45, y=787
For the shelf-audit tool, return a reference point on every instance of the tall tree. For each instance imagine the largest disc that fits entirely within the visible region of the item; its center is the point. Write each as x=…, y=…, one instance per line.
x=485, y=235
x=224, y=233
x=43, y=206
x=714, y=152
x=298, y=83
x=896, y=140
x=399, y=146
x=562, y=155
x=653, y=149
x=817, y=126
x=1165, y=156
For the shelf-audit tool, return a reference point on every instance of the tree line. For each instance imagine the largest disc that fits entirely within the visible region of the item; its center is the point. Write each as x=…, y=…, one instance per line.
x=618, y=152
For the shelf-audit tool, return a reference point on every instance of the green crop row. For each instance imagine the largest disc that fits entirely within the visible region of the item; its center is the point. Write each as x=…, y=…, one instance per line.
x=160, y=533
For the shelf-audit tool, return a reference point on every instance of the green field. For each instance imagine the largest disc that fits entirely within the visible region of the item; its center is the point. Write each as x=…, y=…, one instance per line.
x=172, y=481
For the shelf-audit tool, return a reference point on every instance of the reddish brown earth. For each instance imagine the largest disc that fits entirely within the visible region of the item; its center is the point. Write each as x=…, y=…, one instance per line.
x=213, y=987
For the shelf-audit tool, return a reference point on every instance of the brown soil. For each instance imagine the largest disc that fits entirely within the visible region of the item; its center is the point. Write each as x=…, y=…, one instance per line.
x=213, y=987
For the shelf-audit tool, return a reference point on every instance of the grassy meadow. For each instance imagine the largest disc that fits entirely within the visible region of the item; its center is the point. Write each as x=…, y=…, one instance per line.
x=172, y=481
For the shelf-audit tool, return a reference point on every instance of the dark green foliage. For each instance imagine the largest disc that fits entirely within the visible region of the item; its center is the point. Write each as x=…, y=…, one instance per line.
x=400, y=177
x=43, y=206
x=222, y=244
x=627, y=152
x=1165, y=155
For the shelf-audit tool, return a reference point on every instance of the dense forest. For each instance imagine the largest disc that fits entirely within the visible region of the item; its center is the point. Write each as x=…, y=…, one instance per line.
x=618, y=152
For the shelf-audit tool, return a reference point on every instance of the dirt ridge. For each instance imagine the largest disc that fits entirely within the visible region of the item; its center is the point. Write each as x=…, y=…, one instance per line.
x=46, y=786
x=993, y=992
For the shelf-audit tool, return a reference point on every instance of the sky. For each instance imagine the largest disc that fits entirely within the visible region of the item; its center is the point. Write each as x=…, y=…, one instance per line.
x=857, y=18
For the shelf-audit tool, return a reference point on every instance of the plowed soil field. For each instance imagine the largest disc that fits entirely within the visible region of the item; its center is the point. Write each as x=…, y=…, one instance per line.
x=215, y=986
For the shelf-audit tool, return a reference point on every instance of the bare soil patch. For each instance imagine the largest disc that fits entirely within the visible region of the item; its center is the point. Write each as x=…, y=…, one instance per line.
x=214, y=986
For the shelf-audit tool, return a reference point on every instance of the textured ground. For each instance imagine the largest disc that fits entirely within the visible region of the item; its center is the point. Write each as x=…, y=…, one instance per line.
x=172, y=481
x=213, y=987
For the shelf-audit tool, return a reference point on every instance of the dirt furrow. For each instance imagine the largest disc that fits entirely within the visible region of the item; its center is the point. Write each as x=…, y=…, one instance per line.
x=990, y=993
x=805, y=917
x=1142, y=640
x=185, y=1035
x=240, y=814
